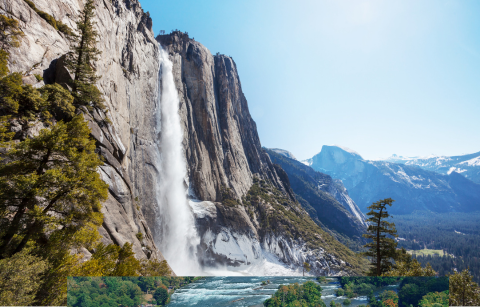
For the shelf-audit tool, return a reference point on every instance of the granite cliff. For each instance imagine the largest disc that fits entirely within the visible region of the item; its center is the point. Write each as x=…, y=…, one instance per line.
x=246, y=212
x=129, y=77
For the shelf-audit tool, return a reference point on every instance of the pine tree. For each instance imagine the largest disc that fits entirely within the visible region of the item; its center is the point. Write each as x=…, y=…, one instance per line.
x=81, y=58
x=463, y=290
x=10, y=84
x=50, y=184
x=382, y=248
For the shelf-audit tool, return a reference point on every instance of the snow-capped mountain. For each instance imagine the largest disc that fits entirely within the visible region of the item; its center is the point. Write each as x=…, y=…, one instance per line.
x=413, y=188
x=283, y=152
x=467, y=165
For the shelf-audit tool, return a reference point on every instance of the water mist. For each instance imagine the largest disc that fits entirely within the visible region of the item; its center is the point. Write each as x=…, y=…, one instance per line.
x=178, y=235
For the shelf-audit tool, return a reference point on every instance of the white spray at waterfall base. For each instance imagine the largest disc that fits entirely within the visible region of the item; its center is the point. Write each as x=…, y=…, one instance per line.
x=178, y=238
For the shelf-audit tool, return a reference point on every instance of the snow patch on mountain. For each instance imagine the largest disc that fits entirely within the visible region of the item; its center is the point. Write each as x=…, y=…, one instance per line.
x=472, y=162
x=284, y=153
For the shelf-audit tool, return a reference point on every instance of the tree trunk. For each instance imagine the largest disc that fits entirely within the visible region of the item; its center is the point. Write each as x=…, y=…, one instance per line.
x=379, y=257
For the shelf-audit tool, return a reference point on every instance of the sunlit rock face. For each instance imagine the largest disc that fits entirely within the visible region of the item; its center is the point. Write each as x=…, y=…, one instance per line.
x=412, y=187
x=225, y=157
x=128, y=71
x=221, y=140
x=221, y=143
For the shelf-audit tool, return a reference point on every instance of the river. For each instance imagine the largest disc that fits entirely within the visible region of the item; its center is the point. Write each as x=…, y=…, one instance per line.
x=248, y=291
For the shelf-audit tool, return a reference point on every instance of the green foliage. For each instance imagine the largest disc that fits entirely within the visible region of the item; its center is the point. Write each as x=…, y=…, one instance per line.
x=111, y=260
x=27, y=101
x=321, y=279
x=382, y=248
x=80, y=60
x=5, y=134
x=346, y=302
x=121, y=291
x=456, y=233
x=413, y=289
x=10, y=34
x=306, y=268
x=228, y=197
x=38, y=77
x=376, y=281
x=463, y=290
x=410, y=268
x=10, y=89
x=434, y=299
x=4, y=63
x=30, y=101
x=59, y=101
x=308, y=294
x=340, y=292
x=161, y=296
x=58, y=25
x=388, y=295
x=50, y=184
x=20, y=278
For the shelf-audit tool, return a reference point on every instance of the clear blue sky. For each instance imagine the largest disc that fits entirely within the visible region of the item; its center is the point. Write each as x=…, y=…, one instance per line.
x=379, y=77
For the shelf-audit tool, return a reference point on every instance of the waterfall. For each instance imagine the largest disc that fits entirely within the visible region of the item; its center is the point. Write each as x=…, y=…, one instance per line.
x=178, y=237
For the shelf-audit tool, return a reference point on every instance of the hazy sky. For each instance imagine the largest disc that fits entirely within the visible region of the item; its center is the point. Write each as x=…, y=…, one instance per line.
x=379, y=77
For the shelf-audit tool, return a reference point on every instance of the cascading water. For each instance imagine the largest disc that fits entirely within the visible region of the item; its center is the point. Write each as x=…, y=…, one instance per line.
x=178, y=237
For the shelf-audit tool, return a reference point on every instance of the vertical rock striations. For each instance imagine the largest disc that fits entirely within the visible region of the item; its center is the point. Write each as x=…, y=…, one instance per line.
x=221, y=141
x=246, y=212
x=128, y=67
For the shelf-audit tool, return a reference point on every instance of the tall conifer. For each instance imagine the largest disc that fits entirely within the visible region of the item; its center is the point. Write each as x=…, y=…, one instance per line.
x=383, y=247
x=80, y=60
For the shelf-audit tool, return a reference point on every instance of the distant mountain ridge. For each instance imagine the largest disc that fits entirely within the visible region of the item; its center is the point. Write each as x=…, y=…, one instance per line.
x=325, y=199
x=412, y=187
x=283, y=152
x=467, y=165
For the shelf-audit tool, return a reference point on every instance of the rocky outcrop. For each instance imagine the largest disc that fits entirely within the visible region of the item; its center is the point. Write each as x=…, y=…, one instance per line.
x=325, y=199
x=246, y=212
x=128, y=70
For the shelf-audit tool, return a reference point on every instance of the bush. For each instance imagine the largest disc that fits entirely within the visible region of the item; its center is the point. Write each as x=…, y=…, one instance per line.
x=346, y=302
x=58, y=25
x=59, y=101
x=161, y=296
x=340, y=292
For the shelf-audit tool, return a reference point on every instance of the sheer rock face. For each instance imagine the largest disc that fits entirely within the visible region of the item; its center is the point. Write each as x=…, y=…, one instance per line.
x=221, y=140
x=128, y=70
x=223, y=150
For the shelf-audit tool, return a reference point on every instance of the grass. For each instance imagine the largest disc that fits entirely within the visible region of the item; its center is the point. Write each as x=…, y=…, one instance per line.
x=427, y=252
x=148, y=297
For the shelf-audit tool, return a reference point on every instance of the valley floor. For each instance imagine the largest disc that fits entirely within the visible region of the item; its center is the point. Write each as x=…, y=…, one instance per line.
x=447, y=241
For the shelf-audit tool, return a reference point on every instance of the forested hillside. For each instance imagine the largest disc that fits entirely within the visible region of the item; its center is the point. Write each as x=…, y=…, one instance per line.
x=457, y=234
